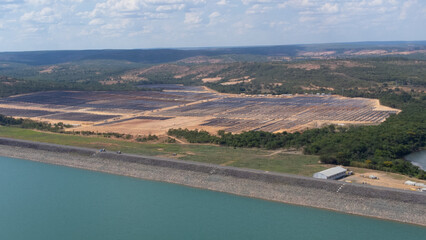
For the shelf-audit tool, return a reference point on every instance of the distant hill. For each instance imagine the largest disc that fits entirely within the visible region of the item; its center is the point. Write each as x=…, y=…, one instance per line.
x=155, y=56
x=152, y=56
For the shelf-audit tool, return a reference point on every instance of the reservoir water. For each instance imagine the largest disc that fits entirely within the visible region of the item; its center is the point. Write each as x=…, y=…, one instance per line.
x=418, y=159
x=40, y=201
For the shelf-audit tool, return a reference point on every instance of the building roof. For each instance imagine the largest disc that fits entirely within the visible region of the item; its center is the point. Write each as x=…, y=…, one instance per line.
x=333, y=171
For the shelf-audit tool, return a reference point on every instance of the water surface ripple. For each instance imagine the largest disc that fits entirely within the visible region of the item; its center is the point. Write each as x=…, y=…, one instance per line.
x=40, y=201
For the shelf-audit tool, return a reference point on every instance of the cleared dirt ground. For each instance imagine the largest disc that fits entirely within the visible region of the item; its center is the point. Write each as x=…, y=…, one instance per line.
x=176, y=106
x=385, y=179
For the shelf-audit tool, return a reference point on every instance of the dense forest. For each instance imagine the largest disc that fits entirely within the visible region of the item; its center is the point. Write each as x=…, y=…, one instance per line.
x=87, y=70
x=31, y=124
x=12, y=86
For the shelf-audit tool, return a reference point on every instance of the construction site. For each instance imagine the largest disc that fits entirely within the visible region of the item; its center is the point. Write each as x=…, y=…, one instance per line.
x=177, y=106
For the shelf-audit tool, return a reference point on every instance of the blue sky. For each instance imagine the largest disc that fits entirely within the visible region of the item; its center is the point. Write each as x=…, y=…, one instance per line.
x=127, y=24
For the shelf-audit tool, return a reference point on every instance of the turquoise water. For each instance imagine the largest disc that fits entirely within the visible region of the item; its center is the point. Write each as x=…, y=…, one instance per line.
x=41, y=202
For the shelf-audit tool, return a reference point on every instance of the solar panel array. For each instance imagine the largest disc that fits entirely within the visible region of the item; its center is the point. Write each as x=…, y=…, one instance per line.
x=272, y=114
x=233, y=113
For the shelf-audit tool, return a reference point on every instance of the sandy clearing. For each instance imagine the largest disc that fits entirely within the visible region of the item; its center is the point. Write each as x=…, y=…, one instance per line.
x=378, y=107
x=209, y=80
x=145, y=127
x=238, y=80
x=382, y=52
x=48, y=69
x=386, y=179
x=316, y=54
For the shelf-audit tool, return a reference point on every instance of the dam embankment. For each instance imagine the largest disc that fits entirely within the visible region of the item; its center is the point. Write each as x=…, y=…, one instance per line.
x=384, y=203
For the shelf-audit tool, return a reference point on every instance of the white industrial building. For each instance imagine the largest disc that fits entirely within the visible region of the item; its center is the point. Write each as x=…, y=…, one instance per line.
x=331, y=173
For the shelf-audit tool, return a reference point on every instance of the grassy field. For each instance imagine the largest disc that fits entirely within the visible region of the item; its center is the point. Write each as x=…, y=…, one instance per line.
x=240, y=157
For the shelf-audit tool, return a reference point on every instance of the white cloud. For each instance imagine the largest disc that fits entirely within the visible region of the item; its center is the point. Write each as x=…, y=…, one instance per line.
x=9, y=7
x=375, y=3
x=171, y=7
x=45, y=15
x=113, y=29
x=282, y=5
x=222, y=2
x=278, y=24
x=114, y=8
x=304, y=19
x=192, y=18
x=237, y=21
x=242, y=27
x=46, y=2
x=119, y=5
x=215, y=18
x=38, y=2
x=138, y=8
x=30, y=30
x=329, y=8
x=214, y=15
x=247, y=2
x=116, y=25
x=96, y=21
x=299, y=3
x=258, y=9
x=405, y=7
x=152, y=16
x=145, y=30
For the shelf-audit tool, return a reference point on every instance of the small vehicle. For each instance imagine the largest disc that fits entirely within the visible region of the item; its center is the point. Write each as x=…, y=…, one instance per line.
x=118, y=152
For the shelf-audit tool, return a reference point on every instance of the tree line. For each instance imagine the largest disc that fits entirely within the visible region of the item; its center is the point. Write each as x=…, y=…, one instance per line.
x=62, y=128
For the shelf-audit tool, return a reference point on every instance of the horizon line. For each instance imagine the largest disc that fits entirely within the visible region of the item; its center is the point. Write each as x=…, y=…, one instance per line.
x=218, y=47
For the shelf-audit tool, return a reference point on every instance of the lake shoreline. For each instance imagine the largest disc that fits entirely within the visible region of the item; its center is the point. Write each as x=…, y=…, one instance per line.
x=417, y=159
x=383, y=203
